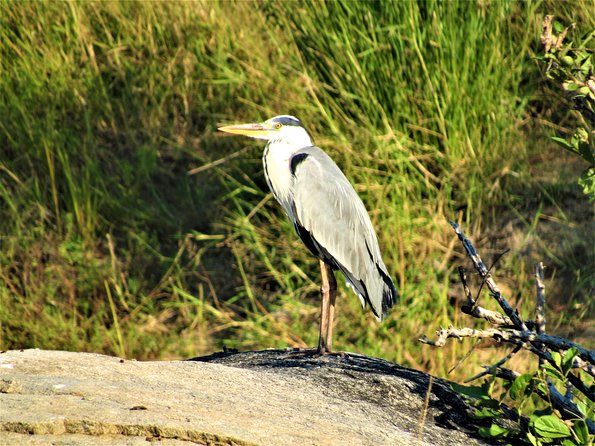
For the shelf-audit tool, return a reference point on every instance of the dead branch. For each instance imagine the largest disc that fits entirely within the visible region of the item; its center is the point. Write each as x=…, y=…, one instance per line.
x=472, y=309
x=489, y=370
x=548, y=39
x=512, y=336
x=485, y=275
x=493, y=317
x=511, y=328
x=540, y=305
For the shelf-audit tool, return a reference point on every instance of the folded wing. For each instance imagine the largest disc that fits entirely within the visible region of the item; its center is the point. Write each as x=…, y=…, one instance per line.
x=334, y=224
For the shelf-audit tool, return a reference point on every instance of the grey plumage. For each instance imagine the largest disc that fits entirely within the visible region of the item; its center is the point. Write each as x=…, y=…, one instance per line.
x=329, y=209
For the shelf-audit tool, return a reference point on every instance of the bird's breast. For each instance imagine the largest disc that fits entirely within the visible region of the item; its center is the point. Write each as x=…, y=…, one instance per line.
x=277, y=171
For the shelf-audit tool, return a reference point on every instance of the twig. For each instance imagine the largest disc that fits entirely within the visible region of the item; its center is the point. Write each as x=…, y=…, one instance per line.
x=467, y=291
x=581, y=386
x=472, y=309
x=484, y=273
x=424, y=413
x=496, y=260
x=492, y=369
x=512, y=329
x=540, y=305
x=460, y=361
x=493, y=317
x=217, y=162
x=507, y=374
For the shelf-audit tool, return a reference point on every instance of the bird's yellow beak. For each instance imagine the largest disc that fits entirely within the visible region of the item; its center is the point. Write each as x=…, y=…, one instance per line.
x=251, y=130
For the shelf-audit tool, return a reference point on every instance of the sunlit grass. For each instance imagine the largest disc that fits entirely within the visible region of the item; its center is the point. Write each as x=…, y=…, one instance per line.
x=109, y=245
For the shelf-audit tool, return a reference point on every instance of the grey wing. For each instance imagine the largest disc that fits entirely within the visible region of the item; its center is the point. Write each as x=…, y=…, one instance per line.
x=333, y=222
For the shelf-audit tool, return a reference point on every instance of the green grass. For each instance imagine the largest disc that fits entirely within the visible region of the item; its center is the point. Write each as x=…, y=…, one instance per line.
x=433, y=110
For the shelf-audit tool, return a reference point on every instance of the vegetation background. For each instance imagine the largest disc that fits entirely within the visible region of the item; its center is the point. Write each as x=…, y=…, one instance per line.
x=435, y=111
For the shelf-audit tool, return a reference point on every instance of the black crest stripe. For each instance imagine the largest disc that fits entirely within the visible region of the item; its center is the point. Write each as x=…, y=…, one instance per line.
x=296, y=160
x=288, y=120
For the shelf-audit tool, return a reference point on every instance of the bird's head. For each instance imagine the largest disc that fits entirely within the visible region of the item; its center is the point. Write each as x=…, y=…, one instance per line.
x=284, y=129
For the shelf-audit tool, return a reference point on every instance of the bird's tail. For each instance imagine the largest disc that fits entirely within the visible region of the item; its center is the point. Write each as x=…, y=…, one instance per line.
x=389, y=293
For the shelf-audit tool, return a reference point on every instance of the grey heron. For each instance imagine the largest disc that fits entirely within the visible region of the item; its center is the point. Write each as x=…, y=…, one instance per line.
x=327, y=214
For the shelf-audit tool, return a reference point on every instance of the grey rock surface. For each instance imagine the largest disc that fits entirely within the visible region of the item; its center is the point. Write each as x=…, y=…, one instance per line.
x=271, y=397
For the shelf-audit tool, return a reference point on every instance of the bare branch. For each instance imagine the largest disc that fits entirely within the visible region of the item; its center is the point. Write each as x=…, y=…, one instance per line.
x=529, y=335
x=484, y=273
x=493, y=368
x=507, y=374
x=496, y=260
x=472, y=309
x=581, y=386
x=513, y=336
x=493, y=317
x=468, y=295
x=540, y=305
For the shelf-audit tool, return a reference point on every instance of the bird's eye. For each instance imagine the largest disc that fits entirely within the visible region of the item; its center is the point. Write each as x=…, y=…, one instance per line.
x=278, y=125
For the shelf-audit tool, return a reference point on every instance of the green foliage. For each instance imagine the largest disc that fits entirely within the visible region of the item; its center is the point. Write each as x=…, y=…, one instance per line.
x=571, y=65
x=526, y=401
x=549, y=427
x=521, y=387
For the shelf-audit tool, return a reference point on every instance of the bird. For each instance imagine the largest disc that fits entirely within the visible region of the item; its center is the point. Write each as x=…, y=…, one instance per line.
x=327, y=214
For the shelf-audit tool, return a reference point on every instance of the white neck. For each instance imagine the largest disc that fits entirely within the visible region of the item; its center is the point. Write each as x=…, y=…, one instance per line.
x=276, y=161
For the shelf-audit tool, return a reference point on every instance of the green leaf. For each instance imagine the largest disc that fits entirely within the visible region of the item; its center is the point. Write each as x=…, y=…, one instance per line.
x=567, y=60
x=493, y=431
x=563, y=143
x=487, y=412
x=571, y=86
x=558, y=27
x=557, y=359
x=552, y=372
x=586, y=67
x=582, y=406
x=541, y=387
x=581, y=56
x=550, y=426
x=471, y=391
x=587, y=182
x=585, y=150
x=568, y=359
x=539, y=413
x=519, y=386
x=532, y=439
x=581, y=431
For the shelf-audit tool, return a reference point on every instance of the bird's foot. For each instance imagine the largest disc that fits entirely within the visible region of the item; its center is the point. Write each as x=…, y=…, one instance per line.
x=312, y=353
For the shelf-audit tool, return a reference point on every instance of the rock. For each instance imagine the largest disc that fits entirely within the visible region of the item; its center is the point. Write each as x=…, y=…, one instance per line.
x=271, y=397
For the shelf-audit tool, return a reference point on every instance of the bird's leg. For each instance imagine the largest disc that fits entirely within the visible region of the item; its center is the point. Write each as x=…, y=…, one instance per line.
x=331, y=308
x=325, y=291
x=329, y=294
